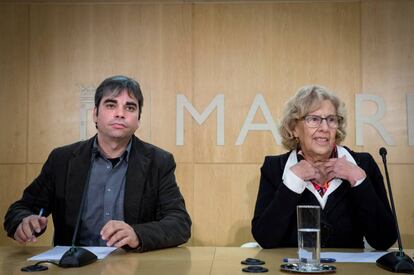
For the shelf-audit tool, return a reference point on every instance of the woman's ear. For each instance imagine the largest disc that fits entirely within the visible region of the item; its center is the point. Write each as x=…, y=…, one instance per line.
x=295, y=132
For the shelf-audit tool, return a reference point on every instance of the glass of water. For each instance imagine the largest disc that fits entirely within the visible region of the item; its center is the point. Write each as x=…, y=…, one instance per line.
x=309, y=238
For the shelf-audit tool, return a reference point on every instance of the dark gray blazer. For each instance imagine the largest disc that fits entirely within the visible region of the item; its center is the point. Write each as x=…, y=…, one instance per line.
x=153, y=204
x=349, y=214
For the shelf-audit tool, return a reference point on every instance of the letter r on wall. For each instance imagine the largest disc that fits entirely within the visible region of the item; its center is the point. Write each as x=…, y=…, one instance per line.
x=373, y=120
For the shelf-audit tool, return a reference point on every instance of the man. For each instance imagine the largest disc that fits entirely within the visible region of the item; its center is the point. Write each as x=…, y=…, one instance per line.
x=132, y=199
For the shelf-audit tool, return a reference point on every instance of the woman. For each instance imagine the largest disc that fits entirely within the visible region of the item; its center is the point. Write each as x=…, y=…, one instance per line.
x=318, y=171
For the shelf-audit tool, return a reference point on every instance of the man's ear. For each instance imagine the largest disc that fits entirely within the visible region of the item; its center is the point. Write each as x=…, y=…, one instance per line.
x=95, y=114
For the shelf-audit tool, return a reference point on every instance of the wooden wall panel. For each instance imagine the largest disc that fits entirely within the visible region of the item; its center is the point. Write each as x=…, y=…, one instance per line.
x=58, y=62
x=173, y=75
x=402, y=187
x=230, y=58
x=224, y=196
x=13, y=82
x=387, y=43
x=12, y=182
x=272, y=49
x=75, y=46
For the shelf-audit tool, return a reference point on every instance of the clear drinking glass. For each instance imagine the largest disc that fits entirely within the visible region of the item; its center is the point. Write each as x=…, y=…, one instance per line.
x=309, y=239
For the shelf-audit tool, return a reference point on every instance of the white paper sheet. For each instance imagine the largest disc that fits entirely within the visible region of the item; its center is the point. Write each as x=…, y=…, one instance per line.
x=56, y=253
x=357, y=257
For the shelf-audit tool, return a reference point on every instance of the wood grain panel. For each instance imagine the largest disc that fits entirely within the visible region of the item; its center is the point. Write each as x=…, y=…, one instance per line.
x=173, y=71
x=407, y=240
x=272, y=49
x=58, y=69
x=388, y=71
x=13, y=82
x=224, y=199
x=12, y=182
x=76, y=46
x=403, y=190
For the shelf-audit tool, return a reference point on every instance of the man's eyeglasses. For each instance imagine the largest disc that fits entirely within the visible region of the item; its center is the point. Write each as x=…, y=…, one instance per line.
x=313, y=121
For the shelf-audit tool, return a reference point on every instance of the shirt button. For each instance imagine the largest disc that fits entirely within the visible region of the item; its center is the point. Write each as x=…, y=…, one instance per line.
x=107, y=213
x=109, y=189
x=108, y=166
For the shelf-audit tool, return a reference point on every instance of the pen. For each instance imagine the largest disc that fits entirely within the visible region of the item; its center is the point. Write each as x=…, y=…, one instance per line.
x=39, y=215
x=295, y=260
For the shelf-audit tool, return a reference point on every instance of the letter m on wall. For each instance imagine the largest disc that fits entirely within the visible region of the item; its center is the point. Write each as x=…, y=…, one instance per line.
x=216, y=103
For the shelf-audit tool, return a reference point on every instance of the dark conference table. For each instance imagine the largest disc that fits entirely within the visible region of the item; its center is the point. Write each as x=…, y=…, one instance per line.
x=181, y=260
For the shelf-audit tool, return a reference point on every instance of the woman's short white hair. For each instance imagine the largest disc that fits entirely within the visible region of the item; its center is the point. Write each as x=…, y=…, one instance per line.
x=307, y=100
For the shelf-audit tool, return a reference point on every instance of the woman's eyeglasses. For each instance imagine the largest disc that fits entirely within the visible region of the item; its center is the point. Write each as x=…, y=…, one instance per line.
x=314, y=121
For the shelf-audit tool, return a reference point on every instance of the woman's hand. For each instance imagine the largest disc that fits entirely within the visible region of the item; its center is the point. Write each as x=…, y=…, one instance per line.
x=343, y=169
x=306, y=171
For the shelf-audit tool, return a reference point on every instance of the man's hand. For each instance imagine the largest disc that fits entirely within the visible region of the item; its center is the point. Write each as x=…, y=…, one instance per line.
x=118, y=234
x=25, y=232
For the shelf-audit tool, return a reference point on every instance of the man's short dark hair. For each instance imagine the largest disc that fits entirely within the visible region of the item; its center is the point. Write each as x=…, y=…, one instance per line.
x=115, y=85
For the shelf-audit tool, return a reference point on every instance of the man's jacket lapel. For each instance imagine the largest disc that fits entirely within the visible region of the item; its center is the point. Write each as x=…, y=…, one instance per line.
x=78, y=168
x=137, y=173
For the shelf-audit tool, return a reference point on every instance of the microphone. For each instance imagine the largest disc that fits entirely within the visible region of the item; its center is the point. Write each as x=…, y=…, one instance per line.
x=396, y=261
x=78, y=256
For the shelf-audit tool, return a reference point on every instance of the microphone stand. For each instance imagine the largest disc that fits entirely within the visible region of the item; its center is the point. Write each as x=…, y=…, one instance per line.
x=396, y=261
x=78, y=256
